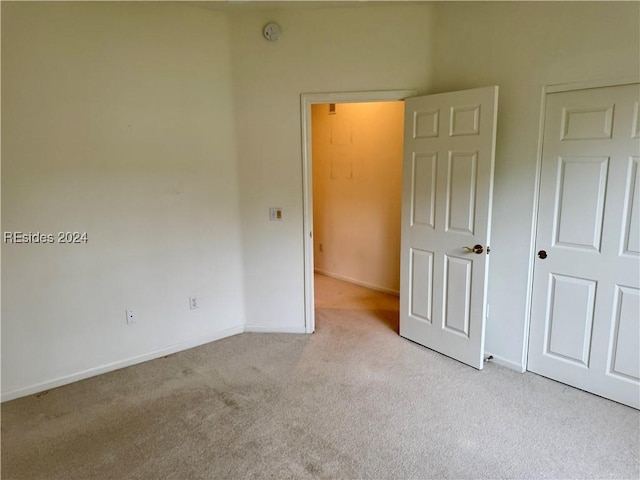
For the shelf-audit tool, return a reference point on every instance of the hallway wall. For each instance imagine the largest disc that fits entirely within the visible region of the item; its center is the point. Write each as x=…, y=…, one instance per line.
x=357, y=189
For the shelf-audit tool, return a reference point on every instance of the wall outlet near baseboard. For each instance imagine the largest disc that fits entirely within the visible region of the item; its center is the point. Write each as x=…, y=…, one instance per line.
x=131, y=316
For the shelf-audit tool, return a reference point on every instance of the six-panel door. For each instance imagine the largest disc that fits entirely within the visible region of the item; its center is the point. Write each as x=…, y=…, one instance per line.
x=447, y=192
x=586, y=298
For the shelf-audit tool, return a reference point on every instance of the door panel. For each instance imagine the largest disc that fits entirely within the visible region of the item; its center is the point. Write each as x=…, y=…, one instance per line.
x=461, y=191
x=580, y=201
x=421, y=285
x=631, y=227
x=447, y=190
x=423, y=191
x=457, y=294
x=627, y=334
x=585, y=313
x=589, y=123
x=570, y=298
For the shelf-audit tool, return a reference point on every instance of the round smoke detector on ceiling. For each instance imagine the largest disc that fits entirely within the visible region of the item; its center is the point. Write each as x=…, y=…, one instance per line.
x=271, y=32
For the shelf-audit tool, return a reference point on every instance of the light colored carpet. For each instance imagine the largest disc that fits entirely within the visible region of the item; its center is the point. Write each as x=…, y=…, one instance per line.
x=353, y=400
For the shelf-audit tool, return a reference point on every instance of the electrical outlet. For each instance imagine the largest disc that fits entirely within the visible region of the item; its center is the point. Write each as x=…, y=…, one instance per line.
x=193, y=303
x=131, y=316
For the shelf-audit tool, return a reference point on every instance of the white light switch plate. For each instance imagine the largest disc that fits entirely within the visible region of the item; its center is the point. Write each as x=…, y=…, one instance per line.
x=275, y=214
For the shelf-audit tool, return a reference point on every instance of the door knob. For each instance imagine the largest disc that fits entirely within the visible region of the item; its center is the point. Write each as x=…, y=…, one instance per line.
x=477, y=249
x=542, y=254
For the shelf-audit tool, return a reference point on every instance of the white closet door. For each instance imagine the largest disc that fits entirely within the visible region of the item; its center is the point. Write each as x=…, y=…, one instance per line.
x=586, y=297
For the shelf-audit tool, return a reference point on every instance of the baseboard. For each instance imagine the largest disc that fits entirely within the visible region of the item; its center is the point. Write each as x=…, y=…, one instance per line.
x=498, y=360
x=273, y=329
x=92, y=372
x=377, y=288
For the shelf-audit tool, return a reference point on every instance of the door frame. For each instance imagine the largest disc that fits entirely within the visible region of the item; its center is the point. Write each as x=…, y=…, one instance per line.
x=306, y=101
x=547, y=89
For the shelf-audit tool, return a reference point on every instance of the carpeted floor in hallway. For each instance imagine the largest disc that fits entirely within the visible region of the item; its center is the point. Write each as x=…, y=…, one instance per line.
x=353, y=400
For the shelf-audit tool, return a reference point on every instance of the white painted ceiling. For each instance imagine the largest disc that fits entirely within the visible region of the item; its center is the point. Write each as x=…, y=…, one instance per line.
x=241, y=5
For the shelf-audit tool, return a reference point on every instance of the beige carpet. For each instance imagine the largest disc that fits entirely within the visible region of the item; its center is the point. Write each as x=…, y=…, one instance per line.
x=354, y=400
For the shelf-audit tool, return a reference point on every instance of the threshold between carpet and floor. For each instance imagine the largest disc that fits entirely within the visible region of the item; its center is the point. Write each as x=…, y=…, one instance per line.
x=353, y=400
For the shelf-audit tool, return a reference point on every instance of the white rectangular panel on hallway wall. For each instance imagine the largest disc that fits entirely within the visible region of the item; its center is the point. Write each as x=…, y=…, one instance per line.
x=447, y=194
x=585, y=312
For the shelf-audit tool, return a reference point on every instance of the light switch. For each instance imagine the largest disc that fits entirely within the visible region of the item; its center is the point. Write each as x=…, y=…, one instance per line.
x=275, y=214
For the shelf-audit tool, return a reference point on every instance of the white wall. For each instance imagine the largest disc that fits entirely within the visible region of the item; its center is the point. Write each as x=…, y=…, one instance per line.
x=357, y=192
x=521, y=47
x=321, y=50
x=117, y=120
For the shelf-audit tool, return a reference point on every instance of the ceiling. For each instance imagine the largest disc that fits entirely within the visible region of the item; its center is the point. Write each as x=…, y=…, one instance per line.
x=234, y=5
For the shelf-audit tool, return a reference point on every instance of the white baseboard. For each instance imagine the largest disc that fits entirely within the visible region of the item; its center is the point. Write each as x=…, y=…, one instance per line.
x=510, y=364
x=109, y=367
x=377, y=288
x=273, y=329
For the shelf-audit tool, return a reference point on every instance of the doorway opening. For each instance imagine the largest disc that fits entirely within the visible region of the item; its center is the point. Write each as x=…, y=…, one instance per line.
x=352, y=166
x=357, y=205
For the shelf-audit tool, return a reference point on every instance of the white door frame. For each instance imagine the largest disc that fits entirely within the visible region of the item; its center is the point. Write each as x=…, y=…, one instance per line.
x=555, y=88
x=306, y=101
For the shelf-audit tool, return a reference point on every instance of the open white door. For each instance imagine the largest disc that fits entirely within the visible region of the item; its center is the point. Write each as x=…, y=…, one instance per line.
x=447, y=180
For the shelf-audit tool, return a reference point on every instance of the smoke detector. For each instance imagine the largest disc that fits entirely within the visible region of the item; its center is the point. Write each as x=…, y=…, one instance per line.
x=271, y=32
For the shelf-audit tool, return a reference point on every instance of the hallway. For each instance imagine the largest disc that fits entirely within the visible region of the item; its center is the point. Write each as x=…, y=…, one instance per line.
x=357, y=302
